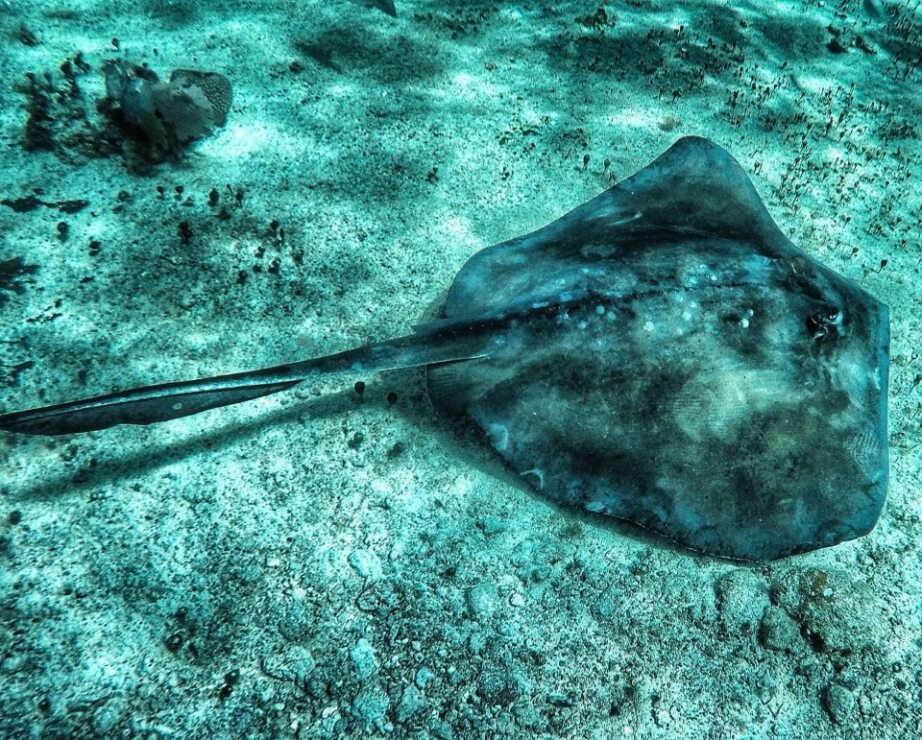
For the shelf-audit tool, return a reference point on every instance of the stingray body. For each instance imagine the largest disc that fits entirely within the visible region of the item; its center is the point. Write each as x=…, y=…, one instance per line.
x=662, y=354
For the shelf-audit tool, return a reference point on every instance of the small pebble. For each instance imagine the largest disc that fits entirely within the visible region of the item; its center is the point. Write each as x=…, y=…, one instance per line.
x=423, y=677
x=482, y=598
x=410, y=703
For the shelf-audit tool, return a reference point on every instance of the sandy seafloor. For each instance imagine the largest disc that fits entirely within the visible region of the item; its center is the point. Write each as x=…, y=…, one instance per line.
x=320, y=564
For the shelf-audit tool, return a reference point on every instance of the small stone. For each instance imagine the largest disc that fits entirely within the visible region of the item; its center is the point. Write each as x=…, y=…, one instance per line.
x=292, y=662
x=778, y=632
x=839, y=702
x=423, y=677
x=411, y=702
x=370, y=705
x=105, y=720
x=608, y=602
x=366, y=563
x=441, y=729
x=363, y=658
x=742, y=596
x=482, y=599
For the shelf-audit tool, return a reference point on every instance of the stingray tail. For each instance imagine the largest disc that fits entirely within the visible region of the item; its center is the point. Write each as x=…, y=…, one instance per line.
x=167, y=401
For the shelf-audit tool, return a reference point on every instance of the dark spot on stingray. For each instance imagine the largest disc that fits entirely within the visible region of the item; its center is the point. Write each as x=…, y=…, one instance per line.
x=823, y=324
x=662, y=354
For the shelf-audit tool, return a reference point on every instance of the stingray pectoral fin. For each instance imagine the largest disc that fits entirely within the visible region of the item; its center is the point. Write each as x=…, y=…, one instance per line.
x=167, y=401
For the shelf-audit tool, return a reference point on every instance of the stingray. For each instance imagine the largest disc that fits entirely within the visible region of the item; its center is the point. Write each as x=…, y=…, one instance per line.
x=662, y=354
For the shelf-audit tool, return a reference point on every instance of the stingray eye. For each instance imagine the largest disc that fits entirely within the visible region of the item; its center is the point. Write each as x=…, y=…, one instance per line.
x=824, y=324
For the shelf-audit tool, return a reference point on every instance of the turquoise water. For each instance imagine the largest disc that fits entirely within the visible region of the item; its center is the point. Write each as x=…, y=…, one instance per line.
x=328, y=563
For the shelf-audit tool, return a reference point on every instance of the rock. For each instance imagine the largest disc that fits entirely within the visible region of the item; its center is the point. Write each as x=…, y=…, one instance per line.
x=291, y=663
x=742, y=596
x=411, y=702
x=296, y=624
x=105, y=720
x=498, y=688
x=366, y=563
x=607, y=602
x=423, y=677
x=840, y=702
x=826, y=615
x=477, y=642
x=441, y=729
x=370, y=705
x=482, y=599
x=170, y=114
x=363, y=658
x=777, y=631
